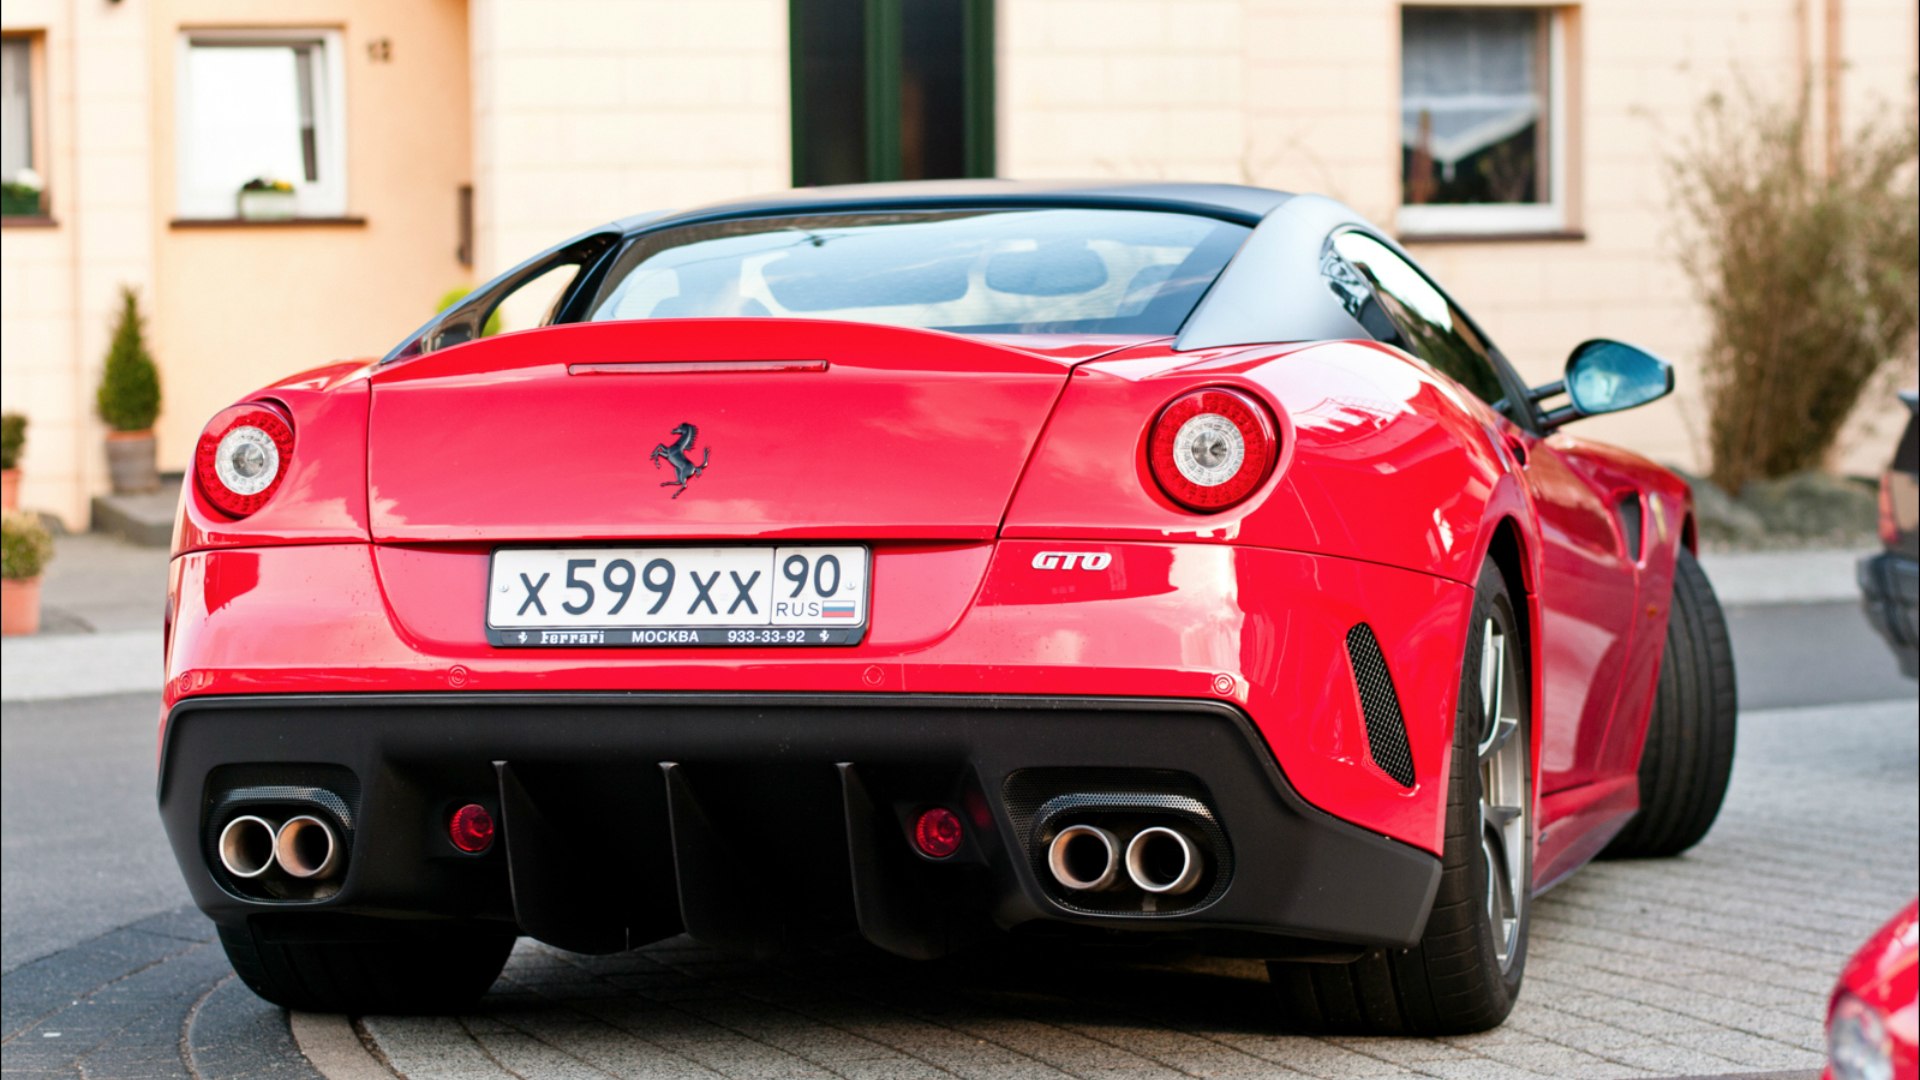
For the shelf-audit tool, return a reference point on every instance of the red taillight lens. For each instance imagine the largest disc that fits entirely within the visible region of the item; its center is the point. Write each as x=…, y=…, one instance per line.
x=1211, y=448
x=242, y=456
x=471, y=829
x=937, y=832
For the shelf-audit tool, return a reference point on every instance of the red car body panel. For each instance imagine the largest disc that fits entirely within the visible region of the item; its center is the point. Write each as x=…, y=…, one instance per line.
x=1885, y=976
x=1239, y=722
x=847, y=451
x=930, y=446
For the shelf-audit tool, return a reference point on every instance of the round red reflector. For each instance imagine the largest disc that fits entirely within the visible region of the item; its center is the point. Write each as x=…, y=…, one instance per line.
x=1211, y=448
x=242, y=456
x=937, y=833
x=471, y=829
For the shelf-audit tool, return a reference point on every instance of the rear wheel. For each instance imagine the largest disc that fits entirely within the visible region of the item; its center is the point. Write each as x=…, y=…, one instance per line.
x=1689, y=750
x=1465, y=973
x=443, y=968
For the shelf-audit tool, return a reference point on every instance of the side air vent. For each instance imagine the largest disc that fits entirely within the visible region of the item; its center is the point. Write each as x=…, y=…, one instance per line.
x=1386, y=730
x=1631, y=526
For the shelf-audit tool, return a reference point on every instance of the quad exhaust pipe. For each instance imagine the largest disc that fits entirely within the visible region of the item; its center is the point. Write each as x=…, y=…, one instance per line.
x=305, y=847
x=1084, y=858
x=246, y=846
x=1158, y=860
x=1163, y=861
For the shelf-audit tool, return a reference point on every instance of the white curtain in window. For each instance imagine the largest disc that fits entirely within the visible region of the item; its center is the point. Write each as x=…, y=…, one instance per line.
x=16, y=108
x=247, y=108
x=1472, y=74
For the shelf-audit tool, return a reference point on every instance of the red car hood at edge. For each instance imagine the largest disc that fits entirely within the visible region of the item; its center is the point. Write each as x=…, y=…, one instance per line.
x=805, y=428
x=1885, y=974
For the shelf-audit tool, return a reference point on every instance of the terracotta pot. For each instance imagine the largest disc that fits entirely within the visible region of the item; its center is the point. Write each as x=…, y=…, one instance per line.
x=130, y=462
x=10, y=489
x=19, y=606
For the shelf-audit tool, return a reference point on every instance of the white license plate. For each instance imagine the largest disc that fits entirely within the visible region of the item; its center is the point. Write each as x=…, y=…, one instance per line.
x=677, y=596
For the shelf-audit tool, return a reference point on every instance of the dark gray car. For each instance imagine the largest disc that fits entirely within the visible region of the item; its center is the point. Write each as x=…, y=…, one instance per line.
x=1890, y=580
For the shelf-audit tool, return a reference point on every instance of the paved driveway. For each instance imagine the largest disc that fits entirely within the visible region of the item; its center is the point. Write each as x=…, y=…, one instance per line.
x=1715, y=963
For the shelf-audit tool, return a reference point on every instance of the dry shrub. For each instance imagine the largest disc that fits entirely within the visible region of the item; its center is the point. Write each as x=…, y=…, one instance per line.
x=1809, y=279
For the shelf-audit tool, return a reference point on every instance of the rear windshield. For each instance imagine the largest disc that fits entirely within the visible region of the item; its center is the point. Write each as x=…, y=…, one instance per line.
x=1053, y=271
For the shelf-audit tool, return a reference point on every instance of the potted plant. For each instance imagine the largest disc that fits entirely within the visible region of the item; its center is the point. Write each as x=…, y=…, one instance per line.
x=13, y=437
x=20, y=196
x=129, y=400
x=264, y=199
x=25, y=547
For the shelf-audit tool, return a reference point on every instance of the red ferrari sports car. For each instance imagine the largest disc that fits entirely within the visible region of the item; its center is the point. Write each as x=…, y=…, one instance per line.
x=1873, y=1018
x=1136, y=563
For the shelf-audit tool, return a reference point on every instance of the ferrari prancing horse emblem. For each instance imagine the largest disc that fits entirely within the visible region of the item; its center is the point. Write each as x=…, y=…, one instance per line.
x=677, y=453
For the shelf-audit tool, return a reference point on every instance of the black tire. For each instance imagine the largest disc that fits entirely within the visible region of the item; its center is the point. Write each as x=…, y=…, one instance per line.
x=1689, y=749
x=439, y=968
x=1453, y=981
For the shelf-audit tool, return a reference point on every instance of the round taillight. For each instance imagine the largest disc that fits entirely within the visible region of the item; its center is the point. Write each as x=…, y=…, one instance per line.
x=1211, y=448
x=242, y=456
x=937, y=832
x=471, y=829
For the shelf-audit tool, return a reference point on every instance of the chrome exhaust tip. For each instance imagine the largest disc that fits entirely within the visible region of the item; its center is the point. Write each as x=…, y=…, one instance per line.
x=1084, y=858
x=307, y=848
x=1163, y=861
x=247, y=846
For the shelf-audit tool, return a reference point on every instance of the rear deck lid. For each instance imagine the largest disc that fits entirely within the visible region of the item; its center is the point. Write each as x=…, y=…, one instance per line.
x=706, y=429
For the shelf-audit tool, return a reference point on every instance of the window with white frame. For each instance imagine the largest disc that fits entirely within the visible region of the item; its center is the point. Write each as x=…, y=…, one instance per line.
x=22, y=189
x=261, y=111
x=1482, y=131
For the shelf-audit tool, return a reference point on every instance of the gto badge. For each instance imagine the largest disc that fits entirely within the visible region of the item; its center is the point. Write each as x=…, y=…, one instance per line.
x=676, y=454
x=1068, y=560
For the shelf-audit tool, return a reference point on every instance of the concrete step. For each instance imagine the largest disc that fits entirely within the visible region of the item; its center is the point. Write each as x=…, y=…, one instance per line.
x=145, y=519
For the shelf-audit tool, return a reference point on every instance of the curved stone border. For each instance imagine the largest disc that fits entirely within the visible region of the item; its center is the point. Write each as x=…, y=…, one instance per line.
x=334, y=1048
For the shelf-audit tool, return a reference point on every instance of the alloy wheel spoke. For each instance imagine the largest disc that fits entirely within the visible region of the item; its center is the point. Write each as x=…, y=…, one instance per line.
x=1493, y=662
x=1503, y=766
x=1503, y=729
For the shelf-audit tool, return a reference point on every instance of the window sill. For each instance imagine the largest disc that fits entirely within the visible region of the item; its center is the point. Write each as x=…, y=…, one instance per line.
x=347, y=221
x=1518, y=236
x=27, y=221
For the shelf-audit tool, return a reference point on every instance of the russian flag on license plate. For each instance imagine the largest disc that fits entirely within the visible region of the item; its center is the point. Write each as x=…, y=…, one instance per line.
x=836, y=611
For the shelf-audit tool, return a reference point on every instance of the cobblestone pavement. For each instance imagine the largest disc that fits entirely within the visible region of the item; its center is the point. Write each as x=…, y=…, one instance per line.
x=1717, y=963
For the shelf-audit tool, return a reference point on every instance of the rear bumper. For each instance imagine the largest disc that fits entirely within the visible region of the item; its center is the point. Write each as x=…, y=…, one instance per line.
x=752, y=819
x=1890, y=595
x=1263, y=631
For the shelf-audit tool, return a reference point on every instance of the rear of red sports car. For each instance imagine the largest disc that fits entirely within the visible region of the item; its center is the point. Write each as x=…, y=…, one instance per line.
x=689, y=614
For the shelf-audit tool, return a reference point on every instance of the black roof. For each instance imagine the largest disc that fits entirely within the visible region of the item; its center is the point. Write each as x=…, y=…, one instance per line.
x=1235, y=202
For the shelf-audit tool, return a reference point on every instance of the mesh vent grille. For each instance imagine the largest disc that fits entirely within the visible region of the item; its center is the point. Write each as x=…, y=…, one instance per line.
x=1386, y=729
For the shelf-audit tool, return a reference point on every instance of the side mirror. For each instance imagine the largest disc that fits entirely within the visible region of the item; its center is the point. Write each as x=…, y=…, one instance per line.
x=1606, y=376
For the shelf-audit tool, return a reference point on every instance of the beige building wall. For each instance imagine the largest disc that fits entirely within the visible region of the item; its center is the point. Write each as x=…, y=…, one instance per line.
x=586, y=111
x=59, y=282
x=563, y=114
x=240, y=305
x=231, y=307
x=1303, y=95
